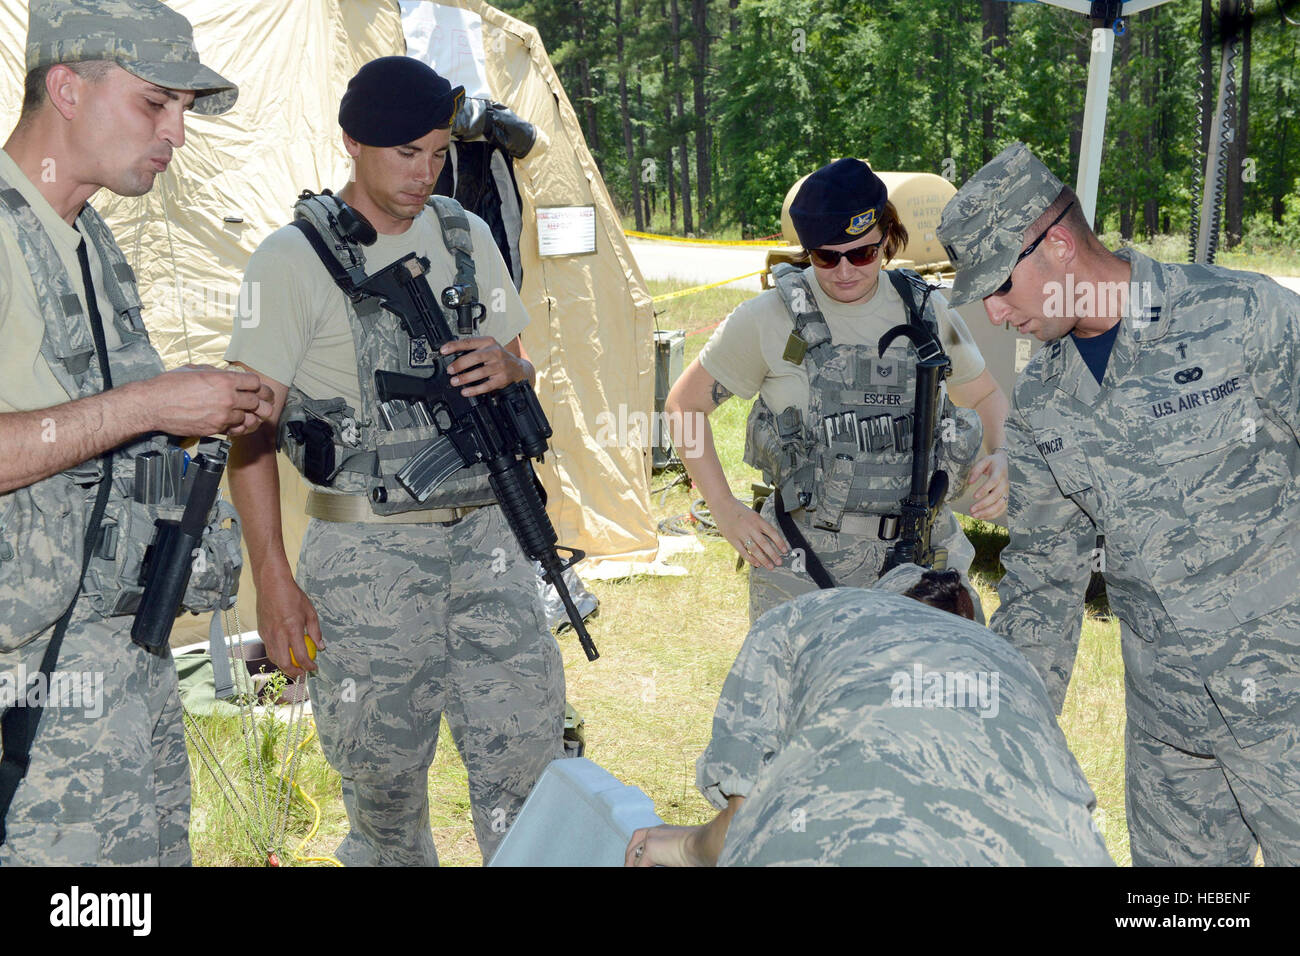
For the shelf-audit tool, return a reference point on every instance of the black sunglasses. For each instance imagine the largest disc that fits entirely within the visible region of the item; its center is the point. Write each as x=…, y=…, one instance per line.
x=1005, y=287
x=860, y=256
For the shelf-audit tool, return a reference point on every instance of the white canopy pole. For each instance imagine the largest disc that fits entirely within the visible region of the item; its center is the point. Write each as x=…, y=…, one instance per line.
x=1094, y=120
x=1094, y=105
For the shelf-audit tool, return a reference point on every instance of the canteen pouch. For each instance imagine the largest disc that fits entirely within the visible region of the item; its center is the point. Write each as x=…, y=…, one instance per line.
x=41, y=530
x=115, y=576
x=214, y=579
x=835, y=479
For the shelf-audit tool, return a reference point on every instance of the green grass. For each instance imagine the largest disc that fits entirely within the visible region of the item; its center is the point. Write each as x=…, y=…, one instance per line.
x=1274, y=259
x=1093, y=716
x=219, y=830
x=666, y=646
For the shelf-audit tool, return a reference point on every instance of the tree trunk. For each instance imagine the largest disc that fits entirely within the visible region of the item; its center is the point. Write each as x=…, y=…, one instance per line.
x=703, y=133
x=1230, y=17
x=672, y=189
x=1149, y=53
x=651, y=195
x=688, y=221
x=1235, y=199
x=1124, y=140
x=995, y=35
x=1209, y=77
x=1284, y=112
x=632, y=169
x=1083, y=56
x=584, y=73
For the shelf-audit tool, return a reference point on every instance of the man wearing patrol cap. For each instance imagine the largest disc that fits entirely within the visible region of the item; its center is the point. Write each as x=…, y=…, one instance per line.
x=1162, y=413
x=831, y=429
x=103, y=779
x=419, y=609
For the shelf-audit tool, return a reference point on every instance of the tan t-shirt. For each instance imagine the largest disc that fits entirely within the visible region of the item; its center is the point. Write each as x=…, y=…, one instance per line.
x=745, y=354
x=292, y=325
x=26, y=382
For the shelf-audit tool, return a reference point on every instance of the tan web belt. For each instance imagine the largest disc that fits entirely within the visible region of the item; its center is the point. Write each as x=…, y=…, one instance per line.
x=867, y=526
x=356, y=508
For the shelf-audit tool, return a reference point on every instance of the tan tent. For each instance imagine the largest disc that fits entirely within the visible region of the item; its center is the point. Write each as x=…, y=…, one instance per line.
x=237, y=177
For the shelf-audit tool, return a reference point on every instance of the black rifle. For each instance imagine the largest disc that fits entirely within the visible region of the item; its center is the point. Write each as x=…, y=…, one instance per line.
x=503, y=428
x=170, y=559
x=927, y=492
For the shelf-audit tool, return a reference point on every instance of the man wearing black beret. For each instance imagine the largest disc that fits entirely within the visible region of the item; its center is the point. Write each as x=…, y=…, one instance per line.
x=418, y=609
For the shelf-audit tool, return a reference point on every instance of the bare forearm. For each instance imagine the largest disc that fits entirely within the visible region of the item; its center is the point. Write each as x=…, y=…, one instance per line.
x=42, y=443
x=709, y=839
x=698, y=453
x=255, y=489
x=993, y=410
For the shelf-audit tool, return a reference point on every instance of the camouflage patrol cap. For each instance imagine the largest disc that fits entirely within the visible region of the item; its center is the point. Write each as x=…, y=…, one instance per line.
x=983, y=227
x=146, y=38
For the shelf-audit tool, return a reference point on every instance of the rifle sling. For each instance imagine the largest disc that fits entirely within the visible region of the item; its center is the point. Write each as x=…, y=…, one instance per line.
x=816, y=570
x=19, y=724
x=327, y=258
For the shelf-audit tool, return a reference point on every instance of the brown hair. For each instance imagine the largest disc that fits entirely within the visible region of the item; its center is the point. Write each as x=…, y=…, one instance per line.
x=943, y=590
x=895, y=233
x=34, y=82
x=1074, y=220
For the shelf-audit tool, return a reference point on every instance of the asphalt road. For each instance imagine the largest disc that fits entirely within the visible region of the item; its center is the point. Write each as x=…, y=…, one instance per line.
x=697, y=262
x=702, y=264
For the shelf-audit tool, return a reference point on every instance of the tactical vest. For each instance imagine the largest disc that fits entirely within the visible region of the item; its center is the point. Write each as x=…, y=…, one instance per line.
x=355, y=451
x=854, y=454
x=43, y=525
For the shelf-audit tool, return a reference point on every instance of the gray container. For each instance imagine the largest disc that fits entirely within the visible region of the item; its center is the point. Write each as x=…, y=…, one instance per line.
x=670, y=353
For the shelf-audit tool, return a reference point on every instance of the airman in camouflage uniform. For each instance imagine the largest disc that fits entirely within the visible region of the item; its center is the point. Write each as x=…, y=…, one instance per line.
x=421, y=609
x=864, y=728
x=108, y=778
x=832, y=427
x=1180, y=448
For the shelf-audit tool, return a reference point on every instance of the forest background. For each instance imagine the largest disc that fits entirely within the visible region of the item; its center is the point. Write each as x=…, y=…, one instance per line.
x=702, y=113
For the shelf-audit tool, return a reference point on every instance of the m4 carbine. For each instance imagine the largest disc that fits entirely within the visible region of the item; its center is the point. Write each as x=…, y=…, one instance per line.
x=504, y=429
x=927, y=492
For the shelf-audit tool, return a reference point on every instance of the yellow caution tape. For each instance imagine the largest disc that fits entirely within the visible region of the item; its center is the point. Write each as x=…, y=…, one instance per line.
x=704, y=242
x=700, y=288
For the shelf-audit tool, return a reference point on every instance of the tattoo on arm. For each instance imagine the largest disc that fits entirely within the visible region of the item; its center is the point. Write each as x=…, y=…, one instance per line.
x=719, y=394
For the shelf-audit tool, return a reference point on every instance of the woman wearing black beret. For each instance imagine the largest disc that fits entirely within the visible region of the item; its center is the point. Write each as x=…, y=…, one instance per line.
x=831, y=428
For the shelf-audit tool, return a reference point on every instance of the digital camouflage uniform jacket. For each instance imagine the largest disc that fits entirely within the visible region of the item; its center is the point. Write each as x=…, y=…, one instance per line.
x=1186, y=459
x=865, y=729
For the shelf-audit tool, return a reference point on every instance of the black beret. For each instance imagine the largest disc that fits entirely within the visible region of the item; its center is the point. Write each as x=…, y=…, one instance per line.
x=837, y=204
x=395, y=100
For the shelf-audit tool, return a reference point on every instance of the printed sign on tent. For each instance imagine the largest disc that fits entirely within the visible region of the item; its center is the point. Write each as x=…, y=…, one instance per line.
x=566, y=230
